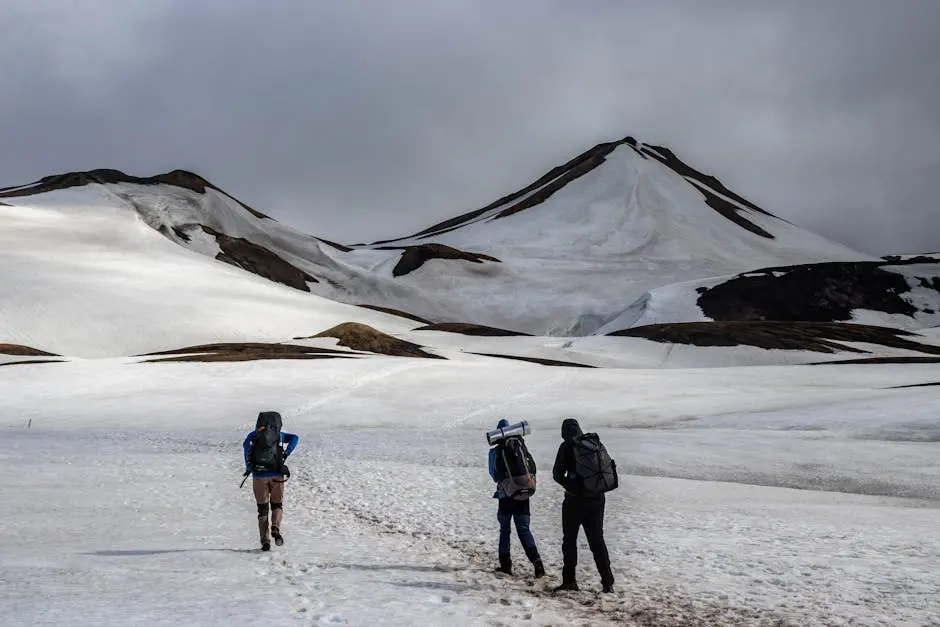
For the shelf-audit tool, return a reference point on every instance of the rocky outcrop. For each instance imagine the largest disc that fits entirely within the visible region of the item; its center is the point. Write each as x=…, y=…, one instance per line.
x=362, y=337
x=465, y=328
x=245, y=351
x=820, y=337
x=23, y=351
x=821, y=292
x=256, y=259
x=178, y=178
x=536, y=360
x=708, y=186
x=416, y=256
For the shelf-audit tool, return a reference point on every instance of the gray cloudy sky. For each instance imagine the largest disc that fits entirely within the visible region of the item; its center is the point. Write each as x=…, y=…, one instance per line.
x=358, y=120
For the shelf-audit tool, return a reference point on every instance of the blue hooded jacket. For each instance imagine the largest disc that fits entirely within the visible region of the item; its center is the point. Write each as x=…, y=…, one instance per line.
x=499, y=493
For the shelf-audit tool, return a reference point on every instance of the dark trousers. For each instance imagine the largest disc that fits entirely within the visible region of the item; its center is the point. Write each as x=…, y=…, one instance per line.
x=511, y=510
x=589, y=513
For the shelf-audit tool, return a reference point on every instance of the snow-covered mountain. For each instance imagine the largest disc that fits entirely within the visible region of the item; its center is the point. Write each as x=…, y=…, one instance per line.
x=562, y=256
x=145, y=321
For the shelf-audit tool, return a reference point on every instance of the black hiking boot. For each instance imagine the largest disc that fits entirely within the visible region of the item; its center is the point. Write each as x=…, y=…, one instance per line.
x=276, y=534
x=505, y=565
x=263, y=529
x=536, y=559
x=608, y=588
x=567, y=586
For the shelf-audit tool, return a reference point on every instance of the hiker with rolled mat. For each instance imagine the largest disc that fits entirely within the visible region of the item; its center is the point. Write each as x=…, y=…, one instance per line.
x=586, y=472
x=264, y=460
x=513, y=469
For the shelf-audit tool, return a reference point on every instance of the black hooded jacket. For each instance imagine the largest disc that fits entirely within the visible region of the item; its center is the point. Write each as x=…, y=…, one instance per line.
x=563, y=470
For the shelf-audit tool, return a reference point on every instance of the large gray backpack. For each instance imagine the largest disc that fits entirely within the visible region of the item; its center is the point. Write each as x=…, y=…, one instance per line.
x=593, y=465
x=515, y=469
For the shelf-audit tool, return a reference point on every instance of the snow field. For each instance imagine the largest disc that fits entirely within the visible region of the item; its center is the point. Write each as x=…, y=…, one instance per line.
x=128, y=483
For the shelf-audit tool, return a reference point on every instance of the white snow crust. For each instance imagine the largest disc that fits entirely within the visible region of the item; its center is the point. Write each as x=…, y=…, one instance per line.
x=806, y=495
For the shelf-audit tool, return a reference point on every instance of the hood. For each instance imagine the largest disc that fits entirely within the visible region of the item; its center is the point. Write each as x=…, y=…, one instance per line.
x=502, y=423
x=570, y=428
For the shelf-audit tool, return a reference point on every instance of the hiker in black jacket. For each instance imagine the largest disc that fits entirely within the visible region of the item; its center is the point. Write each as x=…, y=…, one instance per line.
x=579, y=508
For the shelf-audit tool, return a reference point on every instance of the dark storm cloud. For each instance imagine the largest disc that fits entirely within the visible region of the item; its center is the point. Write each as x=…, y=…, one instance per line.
x=358, y=120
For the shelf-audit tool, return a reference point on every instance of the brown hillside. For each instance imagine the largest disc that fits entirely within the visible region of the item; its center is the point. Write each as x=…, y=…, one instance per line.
x=245, y=351
x=24, y=351
x=362, y=337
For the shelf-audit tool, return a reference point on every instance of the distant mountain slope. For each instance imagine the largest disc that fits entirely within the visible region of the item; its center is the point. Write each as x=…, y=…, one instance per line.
x=561, y=256
x=84, y=276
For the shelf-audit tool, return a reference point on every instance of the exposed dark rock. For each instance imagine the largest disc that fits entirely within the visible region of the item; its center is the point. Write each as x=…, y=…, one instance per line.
x=916, y=385
x=396, y=312
x=245, y=351
x=341, y=247
x=33, y=361
x=931, y=283
x=470, y=329
x=732, y=212
x=821, y=337
x=879, y=360
x=579, y=166
x=259, y=260
x=813, y=292
x=674, y=163
x=362, y=337
x=177, y=178
x=415, y=256
x=895, y=259
x=23, y=351
x=584, y=164
x=536, y=360
x=180, y=233
x=708, y=185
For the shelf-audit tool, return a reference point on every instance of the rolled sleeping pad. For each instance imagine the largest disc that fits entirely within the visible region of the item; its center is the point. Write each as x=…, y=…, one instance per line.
x=520, y=428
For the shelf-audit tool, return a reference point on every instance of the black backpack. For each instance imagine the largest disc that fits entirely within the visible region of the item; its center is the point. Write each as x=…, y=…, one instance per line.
x=266, y=454
x=593, y=465
x=515, y=469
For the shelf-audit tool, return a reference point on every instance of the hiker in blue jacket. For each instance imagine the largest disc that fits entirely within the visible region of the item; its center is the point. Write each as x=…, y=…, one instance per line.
x=512, y=510
x=264, y=460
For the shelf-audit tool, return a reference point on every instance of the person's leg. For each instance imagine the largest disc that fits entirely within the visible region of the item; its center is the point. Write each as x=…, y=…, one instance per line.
x=504, y=516
x=570, y=526
x=594, y=530
x=521, y=513
x=523, y=519
x=259, y=485
x=277, y=509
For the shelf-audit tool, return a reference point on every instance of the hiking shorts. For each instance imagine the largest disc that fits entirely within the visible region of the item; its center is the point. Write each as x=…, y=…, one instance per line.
x=268, y=489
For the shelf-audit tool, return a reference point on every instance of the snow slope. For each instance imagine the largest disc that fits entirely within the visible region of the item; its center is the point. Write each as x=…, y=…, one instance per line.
x=561, y=257
x=85, y=277
x=784, y=495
